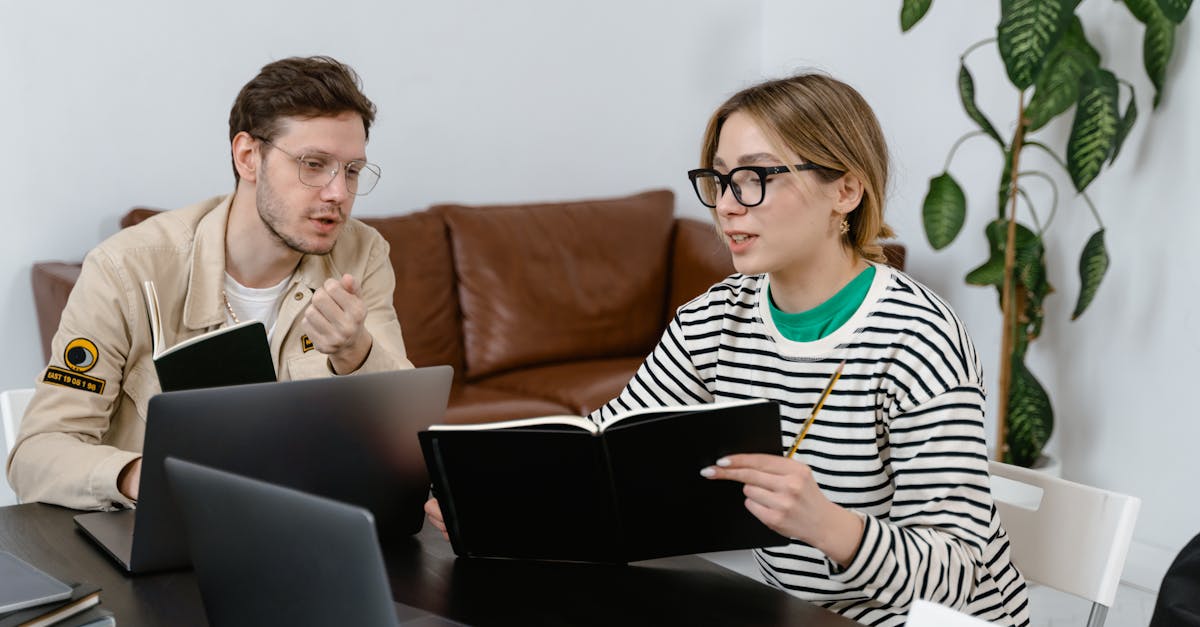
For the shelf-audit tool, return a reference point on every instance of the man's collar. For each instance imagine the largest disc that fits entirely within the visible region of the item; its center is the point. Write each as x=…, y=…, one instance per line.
x=203, y=307
x=314, y=269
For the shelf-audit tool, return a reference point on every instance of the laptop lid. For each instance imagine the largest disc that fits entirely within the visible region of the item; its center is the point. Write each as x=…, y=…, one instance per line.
x=348, y=438
x=268, y=555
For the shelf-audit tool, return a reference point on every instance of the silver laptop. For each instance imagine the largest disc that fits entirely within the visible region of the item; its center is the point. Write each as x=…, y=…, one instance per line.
x=348, y=438
x=269, y=555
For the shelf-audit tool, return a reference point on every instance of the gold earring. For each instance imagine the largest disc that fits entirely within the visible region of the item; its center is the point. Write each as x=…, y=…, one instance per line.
x=844, y=228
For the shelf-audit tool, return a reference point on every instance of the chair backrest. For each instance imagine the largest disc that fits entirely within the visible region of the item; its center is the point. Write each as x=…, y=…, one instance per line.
x=12, y=408
x=928, y=614
x=1074, y=540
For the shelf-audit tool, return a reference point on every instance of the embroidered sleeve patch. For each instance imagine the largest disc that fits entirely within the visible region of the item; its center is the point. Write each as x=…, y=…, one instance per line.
x=305, y=343
x=80, y=354
x=66, y=378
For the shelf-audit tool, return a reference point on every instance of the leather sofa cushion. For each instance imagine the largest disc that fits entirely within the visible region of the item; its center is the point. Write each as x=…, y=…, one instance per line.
x=560, y=281
x=582, y=386
x=425, y=299
x=137, y=215
x=52, y=284
x=698, y=260
x=471, y=404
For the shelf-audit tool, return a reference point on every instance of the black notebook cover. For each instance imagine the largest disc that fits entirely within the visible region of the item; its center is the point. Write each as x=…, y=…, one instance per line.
x=231, y=356
x=633, y=492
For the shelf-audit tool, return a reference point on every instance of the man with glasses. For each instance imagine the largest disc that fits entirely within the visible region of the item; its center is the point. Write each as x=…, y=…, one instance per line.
x=281, y=249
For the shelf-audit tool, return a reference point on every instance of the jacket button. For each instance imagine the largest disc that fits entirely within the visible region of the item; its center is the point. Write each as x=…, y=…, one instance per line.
x=299, y=296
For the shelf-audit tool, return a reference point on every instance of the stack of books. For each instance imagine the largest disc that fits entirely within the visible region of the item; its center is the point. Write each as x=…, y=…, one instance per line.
x=31, y=598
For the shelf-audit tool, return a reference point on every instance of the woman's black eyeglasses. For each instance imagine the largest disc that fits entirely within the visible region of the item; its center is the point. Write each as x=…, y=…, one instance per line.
x=749, y=182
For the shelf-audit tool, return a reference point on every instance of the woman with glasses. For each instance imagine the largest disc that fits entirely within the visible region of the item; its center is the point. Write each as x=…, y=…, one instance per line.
x=886, y=499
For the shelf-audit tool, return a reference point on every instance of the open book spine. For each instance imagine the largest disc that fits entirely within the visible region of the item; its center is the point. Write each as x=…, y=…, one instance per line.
x=154, y=316
x=441, y=491
x=618, y=515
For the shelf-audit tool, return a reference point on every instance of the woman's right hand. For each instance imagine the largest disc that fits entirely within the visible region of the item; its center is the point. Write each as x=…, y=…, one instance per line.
x=434, y=513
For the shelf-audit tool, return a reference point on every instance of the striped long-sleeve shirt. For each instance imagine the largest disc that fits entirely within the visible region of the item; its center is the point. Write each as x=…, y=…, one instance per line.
x=900, y=441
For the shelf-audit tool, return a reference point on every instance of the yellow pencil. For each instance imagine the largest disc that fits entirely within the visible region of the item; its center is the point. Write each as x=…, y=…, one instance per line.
x=820, y=402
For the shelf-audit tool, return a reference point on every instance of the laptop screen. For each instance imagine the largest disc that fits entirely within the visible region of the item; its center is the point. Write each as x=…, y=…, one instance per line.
x=352, y=439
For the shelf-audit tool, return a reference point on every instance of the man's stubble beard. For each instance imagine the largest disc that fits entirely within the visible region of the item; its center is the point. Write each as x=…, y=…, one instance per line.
x=272, y=213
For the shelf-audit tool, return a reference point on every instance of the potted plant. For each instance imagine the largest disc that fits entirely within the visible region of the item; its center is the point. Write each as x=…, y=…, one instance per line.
x=1054, y=68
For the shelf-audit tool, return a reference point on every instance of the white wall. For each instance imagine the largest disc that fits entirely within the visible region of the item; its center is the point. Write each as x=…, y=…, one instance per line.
x=110, y=105
x=1121, y=377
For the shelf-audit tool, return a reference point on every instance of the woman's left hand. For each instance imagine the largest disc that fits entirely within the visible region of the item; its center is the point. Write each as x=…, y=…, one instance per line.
x=783, y=494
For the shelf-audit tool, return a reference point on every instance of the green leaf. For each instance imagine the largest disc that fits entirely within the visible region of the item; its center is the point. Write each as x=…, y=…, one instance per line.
x=1094, y=132
x=1093, y=263
x=1157, y=47
x=1031, y=277
x=1175, y=10
x=1143, y=10
x=1125, y=126
x=1028, y=31
x=1057, y=86
x=1030, y=417
x=966, y=91
x=992, y=270
x=911, y=12
x=990, y=273
x=944, y=211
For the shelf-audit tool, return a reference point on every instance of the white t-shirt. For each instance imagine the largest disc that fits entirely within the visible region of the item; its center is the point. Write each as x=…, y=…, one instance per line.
x=253, y=303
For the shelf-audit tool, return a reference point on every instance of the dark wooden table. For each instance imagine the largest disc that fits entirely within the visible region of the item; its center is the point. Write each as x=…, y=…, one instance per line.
x=424, y=573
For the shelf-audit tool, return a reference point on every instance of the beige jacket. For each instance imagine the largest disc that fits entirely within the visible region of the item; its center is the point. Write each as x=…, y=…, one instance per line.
x=88, y=416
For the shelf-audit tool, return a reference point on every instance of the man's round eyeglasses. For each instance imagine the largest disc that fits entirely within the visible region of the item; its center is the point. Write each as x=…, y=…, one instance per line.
x=749, y=182
x=319, y=170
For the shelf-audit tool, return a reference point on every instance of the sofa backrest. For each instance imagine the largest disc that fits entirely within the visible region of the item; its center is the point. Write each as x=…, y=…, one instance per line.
x=539, y=283
x=699, y=258
x=425, y=299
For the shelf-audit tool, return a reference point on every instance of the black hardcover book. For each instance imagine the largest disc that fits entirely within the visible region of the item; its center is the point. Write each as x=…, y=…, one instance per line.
x=561, y=488
x=231, y=355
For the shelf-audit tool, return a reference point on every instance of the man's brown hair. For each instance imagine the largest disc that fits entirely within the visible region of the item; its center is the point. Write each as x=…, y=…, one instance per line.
x=306, y=87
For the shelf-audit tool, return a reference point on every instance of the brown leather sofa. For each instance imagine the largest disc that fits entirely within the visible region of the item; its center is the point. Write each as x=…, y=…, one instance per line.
x=540, y=308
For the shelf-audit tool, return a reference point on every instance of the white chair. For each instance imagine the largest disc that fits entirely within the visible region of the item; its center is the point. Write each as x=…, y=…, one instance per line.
x=928, y=614
x=12, y=408
x=1074, y=540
